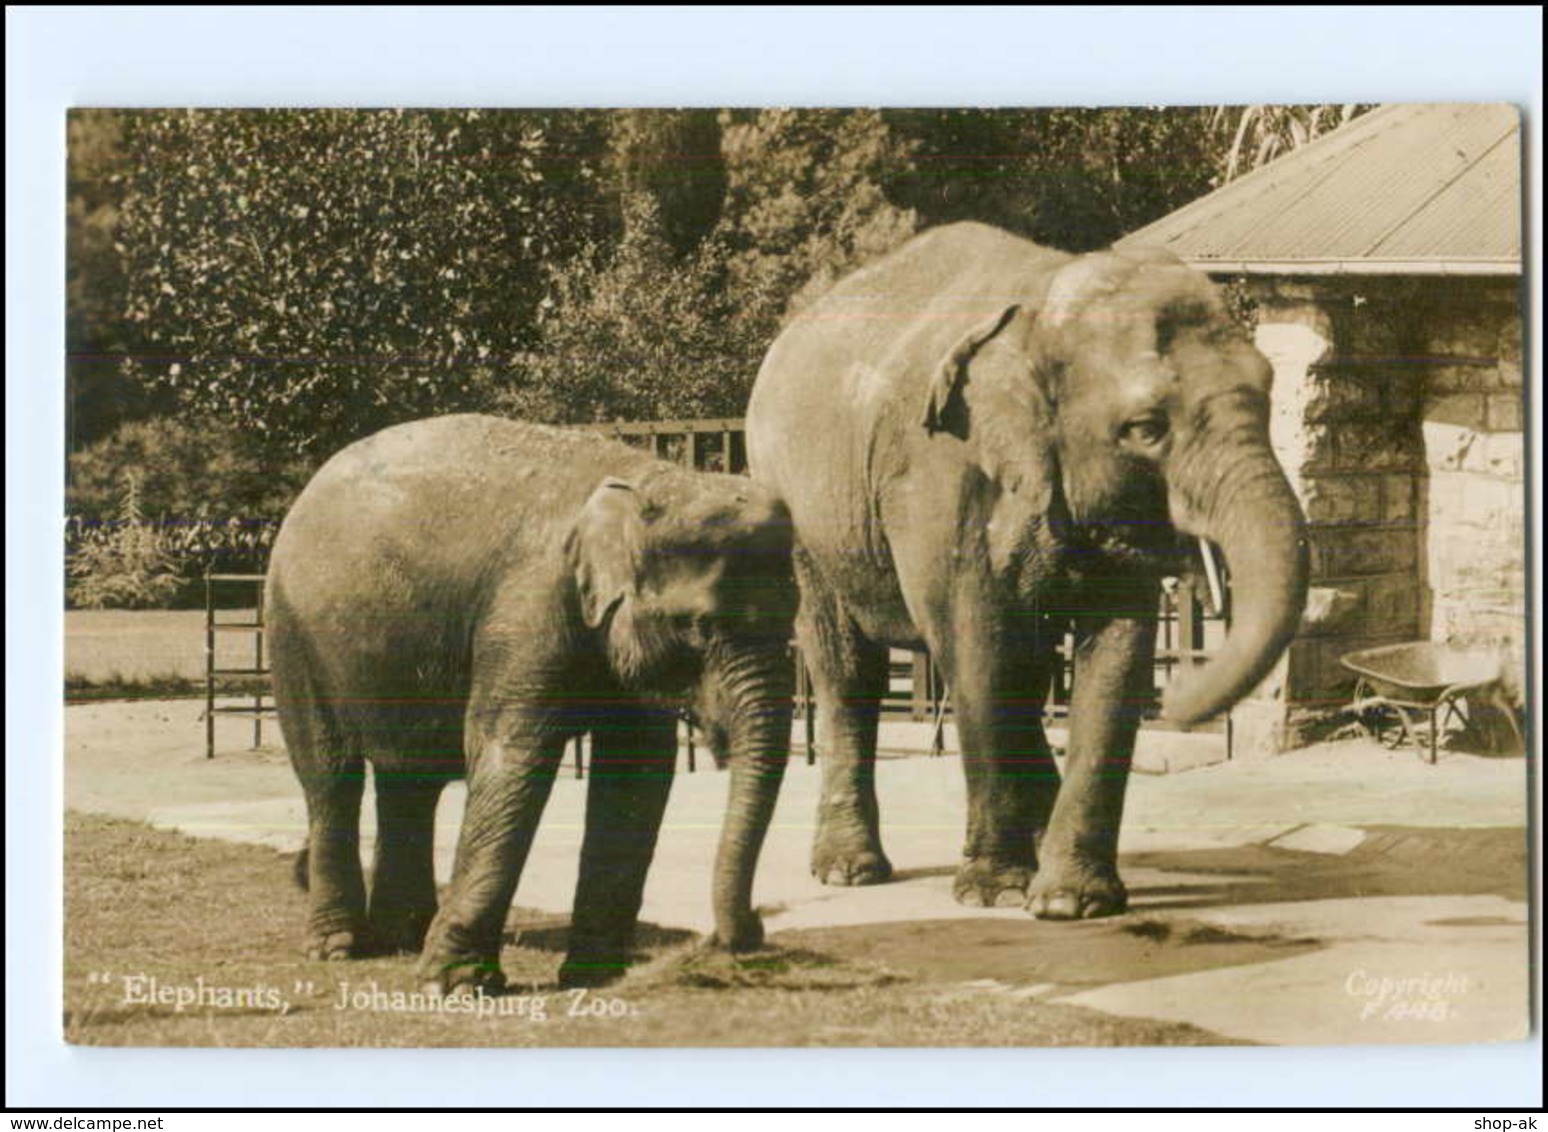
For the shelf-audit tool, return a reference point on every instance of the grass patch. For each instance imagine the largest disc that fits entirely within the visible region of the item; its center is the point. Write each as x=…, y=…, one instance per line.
x=80, y=689
x=151, y=915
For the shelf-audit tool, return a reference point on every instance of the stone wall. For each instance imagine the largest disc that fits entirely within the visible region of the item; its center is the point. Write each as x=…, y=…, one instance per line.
x=1397, y=417
x=1475, y=506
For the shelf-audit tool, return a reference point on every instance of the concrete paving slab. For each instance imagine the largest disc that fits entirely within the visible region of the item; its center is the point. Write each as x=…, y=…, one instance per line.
x=1335, y=839
x=1435, y=986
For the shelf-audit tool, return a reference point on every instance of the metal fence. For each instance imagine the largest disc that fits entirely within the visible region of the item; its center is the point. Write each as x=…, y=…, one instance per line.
x=250, y=675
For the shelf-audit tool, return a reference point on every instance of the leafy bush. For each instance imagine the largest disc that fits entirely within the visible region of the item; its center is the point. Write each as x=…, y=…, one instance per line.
x=212, y=498
x=122, y=564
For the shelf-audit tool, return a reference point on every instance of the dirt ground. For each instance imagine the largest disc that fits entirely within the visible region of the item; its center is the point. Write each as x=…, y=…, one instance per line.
x=1340, y=894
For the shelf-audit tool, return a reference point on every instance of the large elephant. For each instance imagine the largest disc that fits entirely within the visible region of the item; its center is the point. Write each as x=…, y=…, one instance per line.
x=469, y=593
x=983, y=442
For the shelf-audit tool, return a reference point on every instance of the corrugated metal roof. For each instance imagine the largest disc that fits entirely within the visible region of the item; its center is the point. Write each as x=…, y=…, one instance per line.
x=1406, y=189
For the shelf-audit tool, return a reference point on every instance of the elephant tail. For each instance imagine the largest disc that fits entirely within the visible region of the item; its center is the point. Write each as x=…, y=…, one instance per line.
x=300, y=871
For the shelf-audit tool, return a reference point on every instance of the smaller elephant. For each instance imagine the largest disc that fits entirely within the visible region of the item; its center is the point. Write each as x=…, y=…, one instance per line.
x=463, y=596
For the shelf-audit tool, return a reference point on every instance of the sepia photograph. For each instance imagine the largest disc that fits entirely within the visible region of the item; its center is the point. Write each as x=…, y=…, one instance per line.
x=736, y=576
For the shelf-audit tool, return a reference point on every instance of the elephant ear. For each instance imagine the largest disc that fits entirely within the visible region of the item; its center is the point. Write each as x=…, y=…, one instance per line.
x=604, y=549
x=952, y=368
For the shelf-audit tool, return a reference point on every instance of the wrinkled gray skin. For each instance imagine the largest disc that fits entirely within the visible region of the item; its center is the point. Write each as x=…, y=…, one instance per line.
x=467, y=594
x=983, y=442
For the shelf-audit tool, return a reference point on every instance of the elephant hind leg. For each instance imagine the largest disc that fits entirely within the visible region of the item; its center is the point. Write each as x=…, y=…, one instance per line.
x=326, y=756
x=849, y=678
x=335, y=882
x=403, y=898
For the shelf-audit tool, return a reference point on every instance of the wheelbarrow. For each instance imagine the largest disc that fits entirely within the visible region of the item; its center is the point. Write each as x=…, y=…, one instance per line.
x=1401, y=685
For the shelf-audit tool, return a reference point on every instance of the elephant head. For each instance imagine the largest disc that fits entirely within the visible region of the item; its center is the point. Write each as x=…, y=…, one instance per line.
x=1123, y=396
x=689, y=581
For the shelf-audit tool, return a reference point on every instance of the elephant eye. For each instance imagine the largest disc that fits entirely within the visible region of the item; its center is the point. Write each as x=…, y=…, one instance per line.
x=1147, y=431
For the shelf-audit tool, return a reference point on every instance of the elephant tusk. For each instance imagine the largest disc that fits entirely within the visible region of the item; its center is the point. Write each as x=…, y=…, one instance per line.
x=1212, y=575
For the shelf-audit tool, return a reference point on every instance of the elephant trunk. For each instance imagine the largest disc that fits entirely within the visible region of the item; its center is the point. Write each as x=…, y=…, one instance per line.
x=1259, y=527
x=758, y=691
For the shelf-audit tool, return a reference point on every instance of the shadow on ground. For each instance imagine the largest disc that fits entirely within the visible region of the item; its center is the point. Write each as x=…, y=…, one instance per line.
x=1160, y=938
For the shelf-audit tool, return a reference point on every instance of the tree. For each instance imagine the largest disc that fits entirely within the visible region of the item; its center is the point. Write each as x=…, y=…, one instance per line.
x=1258, y=134
x=1076, y=179
x=636, y=332
x=806, y=203
x=313, y=275
x=672, y=156
x=673, y=319
x=96, y=335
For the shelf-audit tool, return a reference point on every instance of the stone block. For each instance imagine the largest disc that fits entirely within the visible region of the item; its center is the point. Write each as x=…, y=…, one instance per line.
x=1462, y=377
x=1332, y=609
x=1446, y=447
x=1339, y=393
x=1374, y=329
x=1397, y=495
x=1505, y=455
x=1378, y=445
x=1464, y=409
x=1508, y=342
x=1342, y=499
x=1402, y=393
x=1471, y=620
x=1258, y=729
x=1464, y=329
x=1285, y=297
x=1326, y=682
x=1392, y=605
x=1342, y=552
x=1497, y=454
x=1496, y=505
x=1503, y=412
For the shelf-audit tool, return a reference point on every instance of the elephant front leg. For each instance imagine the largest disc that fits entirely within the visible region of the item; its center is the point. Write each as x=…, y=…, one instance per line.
x=849, y=678
x=997, y=690
x=632, y=763
x=1077, y=876
x=509, y=781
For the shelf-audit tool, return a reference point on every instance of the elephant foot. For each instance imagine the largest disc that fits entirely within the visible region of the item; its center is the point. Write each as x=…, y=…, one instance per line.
x=986, y=883
x=1076, y=892
x=745, y=934
x=477, y=976
x=333, y=946
x=580, y=970
x=399, y=932
x=849, y=860
x=598, y=953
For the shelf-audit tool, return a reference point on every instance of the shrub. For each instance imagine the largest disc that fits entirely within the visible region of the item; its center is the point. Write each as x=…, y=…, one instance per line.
x=212, y=500
x=123, y=564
